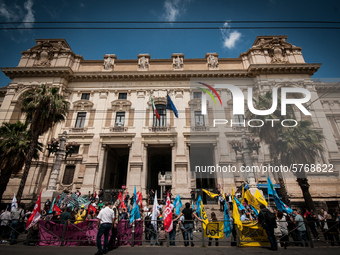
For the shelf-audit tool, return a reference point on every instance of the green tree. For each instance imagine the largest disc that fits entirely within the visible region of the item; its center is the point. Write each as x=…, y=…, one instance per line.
x=15, y=140
x=301, y=145
x=44, y=107
x=269, y=134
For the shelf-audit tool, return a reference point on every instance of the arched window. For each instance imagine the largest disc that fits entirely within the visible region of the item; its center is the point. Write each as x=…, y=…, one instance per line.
x=161, y=109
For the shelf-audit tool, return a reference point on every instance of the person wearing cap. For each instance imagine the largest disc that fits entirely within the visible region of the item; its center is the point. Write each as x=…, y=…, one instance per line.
x=81, y=215
x=105, y=219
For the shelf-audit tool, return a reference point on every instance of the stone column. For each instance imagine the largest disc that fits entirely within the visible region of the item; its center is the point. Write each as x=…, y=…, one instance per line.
x=248, y=162
x=57, y=164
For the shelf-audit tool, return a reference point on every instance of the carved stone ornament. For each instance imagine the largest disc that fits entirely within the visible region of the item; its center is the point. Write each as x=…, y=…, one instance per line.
x=109, y=60
x=44, y=57
x=177, y=62
x=143, y=61
x=212, y=60
x=277, y=53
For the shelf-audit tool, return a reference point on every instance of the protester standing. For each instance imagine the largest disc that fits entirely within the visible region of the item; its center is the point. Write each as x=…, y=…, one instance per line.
x=17, y=217
x=105, y=221
x=301, y=228
x=268, y=221
x=189, y=215
x=213, y=219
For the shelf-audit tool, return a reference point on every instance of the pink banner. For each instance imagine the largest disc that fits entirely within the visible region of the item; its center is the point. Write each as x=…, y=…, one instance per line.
x=85, y=233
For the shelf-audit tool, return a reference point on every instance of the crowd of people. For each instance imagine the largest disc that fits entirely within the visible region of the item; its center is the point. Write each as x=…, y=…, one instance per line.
x=287, y=228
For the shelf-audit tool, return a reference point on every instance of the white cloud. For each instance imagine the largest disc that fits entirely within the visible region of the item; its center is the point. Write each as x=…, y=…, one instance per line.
x=229, y=38
x=16, y=13
x=174, y=8
x=29, y=16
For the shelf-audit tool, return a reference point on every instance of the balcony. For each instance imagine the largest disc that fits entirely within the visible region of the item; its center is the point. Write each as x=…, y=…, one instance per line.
x=200, y=128
x=165, y=180
x=118, y=129
x=78, y=130
x=159, y=129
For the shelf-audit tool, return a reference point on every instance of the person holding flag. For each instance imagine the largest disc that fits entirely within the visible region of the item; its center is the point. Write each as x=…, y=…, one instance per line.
x=189, y=215
x=236, y=214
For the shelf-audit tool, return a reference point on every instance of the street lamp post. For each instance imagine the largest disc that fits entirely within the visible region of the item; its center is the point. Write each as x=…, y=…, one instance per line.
x=246, y=147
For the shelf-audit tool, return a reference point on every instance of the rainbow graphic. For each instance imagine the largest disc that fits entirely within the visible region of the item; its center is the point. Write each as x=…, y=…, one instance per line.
x=209, y=93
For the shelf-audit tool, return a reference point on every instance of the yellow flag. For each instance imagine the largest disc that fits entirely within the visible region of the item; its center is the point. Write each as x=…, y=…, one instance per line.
x=204, y=217
x=214, y=229
x=210, y=194
x=223, y=195
x=251, y=200
x=260, y=198
x=236, y=215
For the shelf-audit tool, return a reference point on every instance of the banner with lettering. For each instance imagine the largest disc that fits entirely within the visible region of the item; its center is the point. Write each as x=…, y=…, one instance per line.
x=214, y=229
x=85, y=233
x=253, y=234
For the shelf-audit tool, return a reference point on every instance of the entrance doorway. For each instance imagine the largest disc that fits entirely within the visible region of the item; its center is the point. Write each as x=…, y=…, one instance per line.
x=159, y=169
x=116, y=168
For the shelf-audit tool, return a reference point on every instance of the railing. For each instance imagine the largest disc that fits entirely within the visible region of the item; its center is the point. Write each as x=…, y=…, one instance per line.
x=118, y=129
x=148, y=232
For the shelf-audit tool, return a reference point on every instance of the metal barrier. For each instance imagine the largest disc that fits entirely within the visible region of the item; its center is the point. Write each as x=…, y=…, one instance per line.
x=145, y=233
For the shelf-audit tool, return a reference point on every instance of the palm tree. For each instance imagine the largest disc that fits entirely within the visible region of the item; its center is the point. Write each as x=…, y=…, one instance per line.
x=270, y=135
x=44, y=107
x=15, y=140
x=301, y=145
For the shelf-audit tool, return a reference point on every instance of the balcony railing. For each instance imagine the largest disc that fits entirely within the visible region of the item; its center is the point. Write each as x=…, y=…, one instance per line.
x=159, y=129
x=118, y=129
x=78, y=130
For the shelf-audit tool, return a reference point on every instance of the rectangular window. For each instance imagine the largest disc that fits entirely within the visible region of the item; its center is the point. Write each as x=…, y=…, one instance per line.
x=239, y=120
x=122, y=96
x=199, y=119
x=120, y=118
x=80, y=119
x=68, y=174
x=197, y=94
x=85, y=96
x=161, y=109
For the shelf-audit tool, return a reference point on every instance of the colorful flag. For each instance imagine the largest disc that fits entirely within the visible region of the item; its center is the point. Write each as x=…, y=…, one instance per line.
x=168, y=225
x=255, y=211
x=155, y=212
x=52, y=205
x=140, y=199
x=271, y=189
x=175, y=201
x=14, y=203
x=56, y=209
x=279, y=204
x=236, y=214
x=198, y=204
x=242, y=196
x=179, y=205
x=239, y=205
x=170, y=105
x=210, y=194
x=203, y=216
x=251, y=200
x=35, y=216
x=227, y=223
x=92, y=208
x=154, y=109
x=260, y=198
x=135, y=215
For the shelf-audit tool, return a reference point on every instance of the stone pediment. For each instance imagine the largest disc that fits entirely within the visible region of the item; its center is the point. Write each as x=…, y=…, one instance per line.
x=121, y=105
x=82, y=105
x=50, y=44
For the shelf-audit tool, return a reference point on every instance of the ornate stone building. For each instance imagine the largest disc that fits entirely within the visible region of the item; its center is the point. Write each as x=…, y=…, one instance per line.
x=121, y=142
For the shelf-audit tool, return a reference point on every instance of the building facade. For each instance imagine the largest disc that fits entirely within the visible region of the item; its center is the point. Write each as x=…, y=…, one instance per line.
x=122, y=142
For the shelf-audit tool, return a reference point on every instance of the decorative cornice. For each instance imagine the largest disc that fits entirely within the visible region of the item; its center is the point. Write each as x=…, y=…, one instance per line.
x=14, y=72
x=256, y=69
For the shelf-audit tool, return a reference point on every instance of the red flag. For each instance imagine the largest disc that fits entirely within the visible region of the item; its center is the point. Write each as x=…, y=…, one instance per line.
x=92, y=208
x=120, y=197
x=57, y=209
x=168, y=226
x=36, y=214
x=140, y=199
x=122, y=202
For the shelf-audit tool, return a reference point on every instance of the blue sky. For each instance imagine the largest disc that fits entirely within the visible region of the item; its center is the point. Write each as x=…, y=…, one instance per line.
x=319, y=46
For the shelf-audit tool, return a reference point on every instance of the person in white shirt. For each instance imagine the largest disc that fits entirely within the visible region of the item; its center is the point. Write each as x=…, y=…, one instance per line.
x=105, y=220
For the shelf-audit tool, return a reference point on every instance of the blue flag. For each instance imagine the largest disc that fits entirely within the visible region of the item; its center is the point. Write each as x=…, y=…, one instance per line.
x=135, y=215
x=198, y=203
x=255, y=211
x=170, y=105
x=239, y=205
x=227, y=223
x=52, y=205
x=279, y=204
x=271, y=189
x=135, y=195
x=179, y=205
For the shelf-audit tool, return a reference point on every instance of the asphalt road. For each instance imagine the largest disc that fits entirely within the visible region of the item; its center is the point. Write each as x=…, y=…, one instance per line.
x=54, y=250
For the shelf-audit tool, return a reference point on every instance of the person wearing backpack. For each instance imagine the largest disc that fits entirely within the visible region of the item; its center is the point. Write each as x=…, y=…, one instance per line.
x=268, y=221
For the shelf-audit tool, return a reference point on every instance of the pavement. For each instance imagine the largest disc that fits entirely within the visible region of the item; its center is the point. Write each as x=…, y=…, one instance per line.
x=138, y=250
